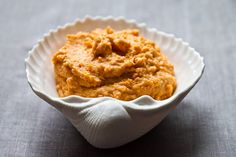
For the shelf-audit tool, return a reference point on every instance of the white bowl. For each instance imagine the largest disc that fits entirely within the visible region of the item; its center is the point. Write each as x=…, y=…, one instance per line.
x=107, y=122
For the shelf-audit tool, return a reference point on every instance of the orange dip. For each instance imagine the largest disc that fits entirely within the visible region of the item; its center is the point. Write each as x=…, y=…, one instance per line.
x=119, y=64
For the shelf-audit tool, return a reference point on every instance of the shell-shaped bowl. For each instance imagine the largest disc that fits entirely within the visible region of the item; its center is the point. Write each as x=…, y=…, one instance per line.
x=107, y=122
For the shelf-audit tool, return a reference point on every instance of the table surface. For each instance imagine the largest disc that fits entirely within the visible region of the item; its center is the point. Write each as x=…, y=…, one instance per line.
x=203, y=124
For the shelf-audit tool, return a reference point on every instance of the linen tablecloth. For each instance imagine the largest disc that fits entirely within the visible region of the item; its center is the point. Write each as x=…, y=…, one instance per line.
x=204, y=124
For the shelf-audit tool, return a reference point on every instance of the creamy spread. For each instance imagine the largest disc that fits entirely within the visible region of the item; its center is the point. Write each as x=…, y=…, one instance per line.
x=119, y=64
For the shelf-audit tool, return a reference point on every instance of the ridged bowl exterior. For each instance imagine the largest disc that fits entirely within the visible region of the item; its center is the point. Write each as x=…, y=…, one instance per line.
x=107, y=122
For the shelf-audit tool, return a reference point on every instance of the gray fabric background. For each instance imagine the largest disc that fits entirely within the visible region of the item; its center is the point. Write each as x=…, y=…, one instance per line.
x=204, y=124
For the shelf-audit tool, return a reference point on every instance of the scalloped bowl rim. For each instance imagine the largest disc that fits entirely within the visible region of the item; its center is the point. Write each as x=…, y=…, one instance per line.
x=128, y=104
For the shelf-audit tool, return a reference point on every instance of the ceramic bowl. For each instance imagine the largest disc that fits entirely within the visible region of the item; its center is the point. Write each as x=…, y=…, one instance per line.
x=107, y=122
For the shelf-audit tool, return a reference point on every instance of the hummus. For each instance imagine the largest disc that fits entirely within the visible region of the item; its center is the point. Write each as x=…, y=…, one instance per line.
x=119, y=64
